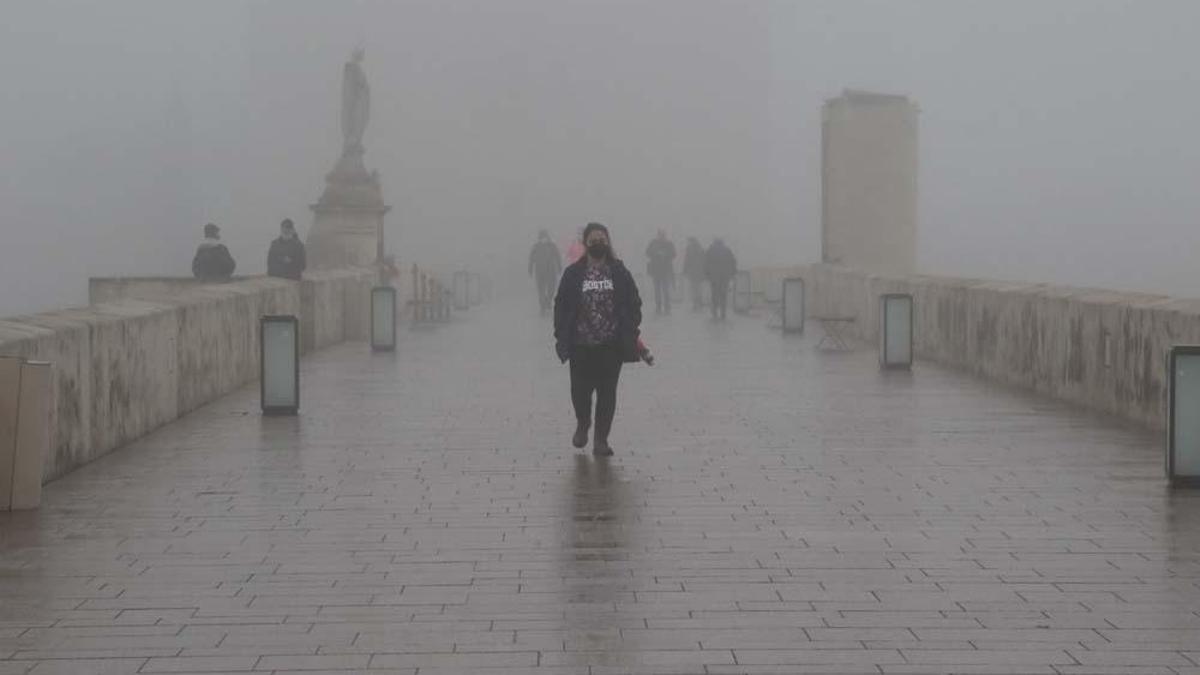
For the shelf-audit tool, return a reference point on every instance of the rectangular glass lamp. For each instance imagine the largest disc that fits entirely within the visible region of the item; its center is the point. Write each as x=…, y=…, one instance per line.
x=383, y=319
x=1183, y=423
x=793, y=305
x=896, y=331
x=279, y=358
x=462, y=282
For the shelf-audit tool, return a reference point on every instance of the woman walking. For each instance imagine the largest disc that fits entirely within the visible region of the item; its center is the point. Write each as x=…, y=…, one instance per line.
x=597, y=319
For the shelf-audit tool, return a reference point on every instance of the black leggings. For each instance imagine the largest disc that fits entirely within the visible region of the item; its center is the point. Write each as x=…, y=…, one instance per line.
x=546, y=286
x=595, y=369
x=662, y=294
x=720, y=296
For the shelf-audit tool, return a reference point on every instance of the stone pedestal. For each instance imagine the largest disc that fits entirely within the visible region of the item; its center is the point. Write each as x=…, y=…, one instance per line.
x=24, y=431
x=348, y=219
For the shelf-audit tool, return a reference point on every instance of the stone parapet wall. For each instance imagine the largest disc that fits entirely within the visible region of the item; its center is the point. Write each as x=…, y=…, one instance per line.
x=1101, y=349
x=151, y=350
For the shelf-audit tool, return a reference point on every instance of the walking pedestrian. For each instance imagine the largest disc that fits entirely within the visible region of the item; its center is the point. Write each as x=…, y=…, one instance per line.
x=597, y=319
x=693, y=270
x=661, y=268
x=720, y=266
x=544, y=266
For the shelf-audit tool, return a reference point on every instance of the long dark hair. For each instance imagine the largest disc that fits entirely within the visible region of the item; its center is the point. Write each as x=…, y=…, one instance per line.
x=592, y=227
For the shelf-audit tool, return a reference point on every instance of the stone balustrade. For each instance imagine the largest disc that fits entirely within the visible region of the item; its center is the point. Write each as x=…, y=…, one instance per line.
x=149, y=350
x=1105, y=350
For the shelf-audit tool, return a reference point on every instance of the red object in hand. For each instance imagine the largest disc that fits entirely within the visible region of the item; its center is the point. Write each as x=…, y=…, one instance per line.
x=644, y=352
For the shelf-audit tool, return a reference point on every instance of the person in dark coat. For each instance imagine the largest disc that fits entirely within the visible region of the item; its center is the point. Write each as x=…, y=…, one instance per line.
x=720, y=266
x=661, y=268
x=545, y=264
x=597, y=320
x=212, y=261
x=286, y=257
x=693, y=270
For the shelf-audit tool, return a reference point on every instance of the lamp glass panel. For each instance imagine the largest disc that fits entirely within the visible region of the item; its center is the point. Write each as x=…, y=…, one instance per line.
x=793, y=304
x=279, y=364
x=898, y=315
x=383, y=313
x=1185, y=407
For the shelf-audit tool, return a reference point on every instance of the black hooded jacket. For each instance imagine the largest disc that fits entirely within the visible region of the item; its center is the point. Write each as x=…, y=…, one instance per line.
x=212, y=262
x=628, y=306
x=286, y=258
x=544, y=260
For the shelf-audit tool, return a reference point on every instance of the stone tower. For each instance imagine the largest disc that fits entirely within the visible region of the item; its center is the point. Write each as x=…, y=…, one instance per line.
x=869, y=182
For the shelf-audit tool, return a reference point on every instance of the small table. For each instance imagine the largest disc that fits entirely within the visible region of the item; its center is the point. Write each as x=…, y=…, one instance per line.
x=835, y=328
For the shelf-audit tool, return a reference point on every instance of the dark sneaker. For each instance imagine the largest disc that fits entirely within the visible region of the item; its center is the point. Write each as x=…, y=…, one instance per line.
x=581, y=436
x=602, y=449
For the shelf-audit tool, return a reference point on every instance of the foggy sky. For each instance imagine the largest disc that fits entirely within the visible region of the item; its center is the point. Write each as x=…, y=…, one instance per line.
x=1057, y=137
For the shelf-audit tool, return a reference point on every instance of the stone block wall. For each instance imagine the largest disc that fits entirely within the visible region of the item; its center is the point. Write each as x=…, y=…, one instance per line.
x=151, y=350
x=1104, y=350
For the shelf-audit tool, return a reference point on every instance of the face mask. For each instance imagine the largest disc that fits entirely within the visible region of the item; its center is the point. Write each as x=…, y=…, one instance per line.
x=598, y=250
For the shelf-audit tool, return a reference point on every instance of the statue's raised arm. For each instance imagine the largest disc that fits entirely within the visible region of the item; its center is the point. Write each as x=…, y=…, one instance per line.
x=356, y=103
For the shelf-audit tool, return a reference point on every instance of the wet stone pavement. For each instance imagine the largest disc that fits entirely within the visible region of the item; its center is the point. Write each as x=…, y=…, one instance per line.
x=771, y=509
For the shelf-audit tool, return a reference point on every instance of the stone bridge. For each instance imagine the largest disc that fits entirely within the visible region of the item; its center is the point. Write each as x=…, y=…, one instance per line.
x=771, y=507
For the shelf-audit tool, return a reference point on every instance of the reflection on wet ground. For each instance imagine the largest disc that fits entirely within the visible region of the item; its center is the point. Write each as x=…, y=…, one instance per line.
x=770, y=509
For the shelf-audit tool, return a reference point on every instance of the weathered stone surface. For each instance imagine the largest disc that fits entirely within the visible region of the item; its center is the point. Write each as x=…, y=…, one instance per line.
x=1101, y=349
x=155, y=349
x=771, y=509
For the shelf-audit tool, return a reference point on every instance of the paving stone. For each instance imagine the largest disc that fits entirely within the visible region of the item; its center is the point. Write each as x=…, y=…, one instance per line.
x=771, y=509
x=88, y=666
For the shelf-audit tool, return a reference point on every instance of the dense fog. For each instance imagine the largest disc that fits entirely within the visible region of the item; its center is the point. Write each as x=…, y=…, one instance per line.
x=1057, y=139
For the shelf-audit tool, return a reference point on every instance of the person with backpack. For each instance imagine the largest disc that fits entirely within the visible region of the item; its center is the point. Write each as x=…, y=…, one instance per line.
x=597, y=323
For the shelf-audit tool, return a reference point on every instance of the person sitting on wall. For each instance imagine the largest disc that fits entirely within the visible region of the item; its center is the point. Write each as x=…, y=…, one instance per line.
x=286, y=258
x=212, y=261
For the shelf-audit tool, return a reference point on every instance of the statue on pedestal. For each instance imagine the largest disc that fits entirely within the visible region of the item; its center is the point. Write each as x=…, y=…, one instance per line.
x=356, y=103
x=348, y=225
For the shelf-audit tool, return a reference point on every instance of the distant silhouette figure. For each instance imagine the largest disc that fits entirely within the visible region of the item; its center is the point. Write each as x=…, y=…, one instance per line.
x=661, y=268
x=693, y=270
x=544, y=266
x=286, y=258
x=212, y=261
x=720, y=266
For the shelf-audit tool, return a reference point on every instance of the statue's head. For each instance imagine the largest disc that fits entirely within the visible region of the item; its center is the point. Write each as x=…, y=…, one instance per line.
x=360, y=52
